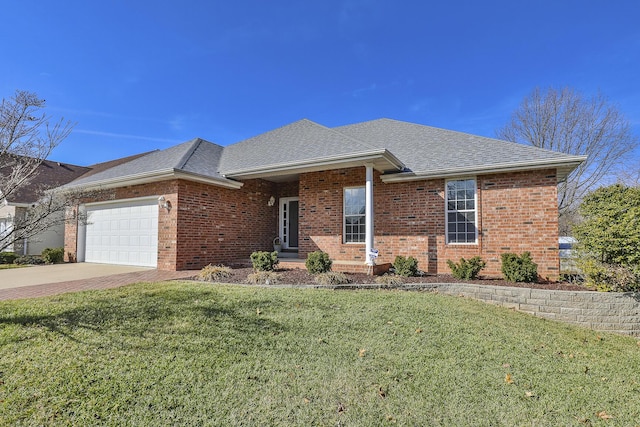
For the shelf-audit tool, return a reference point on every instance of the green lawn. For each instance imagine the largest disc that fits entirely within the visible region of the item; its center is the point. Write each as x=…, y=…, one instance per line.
x=185, y=353
x=9, y=266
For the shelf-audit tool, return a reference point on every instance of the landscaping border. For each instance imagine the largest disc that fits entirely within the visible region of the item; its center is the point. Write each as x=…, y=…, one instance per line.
x=617, y=312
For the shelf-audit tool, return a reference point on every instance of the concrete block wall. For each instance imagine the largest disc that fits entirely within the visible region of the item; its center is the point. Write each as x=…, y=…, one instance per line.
x=609, y=312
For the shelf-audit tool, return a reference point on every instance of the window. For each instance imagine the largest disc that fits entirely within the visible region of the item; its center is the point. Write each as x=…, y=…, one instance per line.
x=354, y=215
x=461, y=211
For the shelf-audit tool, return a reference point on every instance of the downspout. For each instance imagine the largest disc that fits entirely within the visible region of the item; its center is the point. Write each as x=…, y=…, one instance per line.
x=368, y=219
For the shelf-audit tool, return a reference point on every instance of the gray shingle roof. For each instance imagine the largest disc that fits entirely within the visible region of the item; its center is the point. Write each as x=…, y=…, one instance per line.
x=197, y=157
x=298, y=142
x=49, y=174
x=427, y=149
x=416, y=149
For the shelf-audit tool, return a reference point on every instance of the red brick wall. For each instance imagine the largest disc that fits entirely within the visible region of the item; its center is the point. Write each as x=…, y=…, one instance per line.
x=206, y=224
x=517, y=212
x=219, y=225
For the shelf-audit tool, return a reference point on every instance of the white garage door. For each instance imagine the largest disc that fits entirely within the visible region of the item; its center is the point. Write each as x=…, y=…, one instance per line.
x=123, y=233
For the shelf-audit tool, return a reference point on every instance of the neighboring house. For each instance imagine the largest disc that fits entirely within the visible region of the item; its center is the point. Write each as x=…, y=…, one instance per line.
x=49, y=174
x=400, y=188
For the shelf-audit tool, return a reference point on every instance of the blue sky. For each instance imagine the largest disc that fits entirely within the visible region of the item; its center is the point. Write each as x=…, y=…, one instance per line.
x=141, y=75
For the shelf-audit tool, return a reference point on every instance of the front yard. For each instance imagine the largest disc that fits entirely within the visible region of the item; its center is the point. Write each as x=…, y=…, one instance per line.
x=185, y=353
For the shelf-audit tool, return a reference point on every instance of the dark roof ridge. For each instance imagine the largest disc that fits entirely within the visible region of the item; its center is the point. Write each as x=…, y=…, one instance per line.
x=195, y=143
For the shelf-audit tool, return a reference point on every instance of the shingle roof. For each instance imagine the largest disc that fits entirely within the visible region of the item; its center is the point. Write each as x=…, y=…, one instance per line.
x=298, y=142
x=427, y=150
x=408, y=148
x=196, y=157
x=49, y=174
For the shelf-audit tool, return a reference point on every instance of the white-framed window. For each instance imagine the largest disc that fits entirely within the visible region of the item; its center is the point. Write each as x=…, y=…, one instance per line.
x=461, y=212
x=354, y=215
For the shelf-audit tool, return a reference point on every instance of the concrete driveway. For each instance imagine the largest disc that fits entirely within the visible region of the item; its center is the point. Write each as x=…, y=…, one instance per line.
x=40, y=274
x=49, y=280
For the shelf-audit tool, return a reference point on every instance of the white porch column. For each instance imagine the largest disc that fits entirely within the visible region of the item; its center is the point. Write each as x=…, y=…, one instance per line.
x=368, y=219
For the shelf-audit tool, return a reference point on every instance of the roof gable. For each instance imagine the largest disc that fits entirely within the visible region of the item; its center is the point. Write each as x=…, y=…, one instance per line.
x=196, y=158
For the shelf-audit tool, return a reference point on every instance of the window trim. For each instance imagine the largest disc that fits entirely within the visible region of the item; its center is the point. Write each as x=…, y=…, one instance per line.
x=344, y=215
x=447, y=211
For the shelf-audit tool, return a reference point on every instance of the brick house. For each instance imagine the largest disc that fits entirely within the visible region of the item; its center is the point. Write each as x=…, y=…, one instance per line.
x=401, y=188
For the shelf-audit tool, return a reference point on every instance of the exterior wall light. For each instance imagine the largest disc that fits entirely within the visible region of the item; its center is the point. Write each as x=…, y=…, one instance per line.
x=272, y=201
x=164, y=204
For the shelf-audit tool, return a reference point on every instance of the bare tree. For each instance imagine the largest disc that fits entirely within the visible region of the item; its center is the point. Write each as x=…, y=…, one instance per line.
x=630, y=174
x=566, y=121
x=26, y=139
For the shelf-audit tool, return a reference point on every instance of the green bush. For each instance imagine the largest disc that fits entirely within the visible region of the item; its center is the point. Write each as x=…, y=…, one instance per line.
x=264, y=278
x=264, y=261
x=7, y=257
x=53, y=256
x=406, y=267
x=519, y=268
x=609, y=238
x=609, y=277
x=318, y=262
x=28, y=260
x=331, y=278
x=610, y=230
x=466, y=269
x=213, y=273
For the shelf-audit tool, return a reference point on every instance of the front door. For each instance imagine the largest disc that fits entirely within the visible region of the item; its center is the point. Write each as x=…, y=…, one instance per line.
x=289, y=222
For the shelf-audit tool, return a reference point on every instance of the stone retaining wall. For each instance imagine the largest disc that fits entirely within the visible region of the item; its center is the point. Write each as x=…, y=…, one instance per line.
x=610, y=312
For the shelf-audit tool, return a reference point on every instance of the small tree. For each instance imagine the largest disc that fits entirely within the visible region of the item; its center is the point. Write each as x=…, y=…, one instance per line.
x=27, y=137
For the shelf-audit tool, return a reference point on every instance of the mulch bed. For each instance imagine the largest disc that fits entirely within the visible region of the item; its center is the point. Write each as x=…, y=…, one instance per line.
x=302, y=277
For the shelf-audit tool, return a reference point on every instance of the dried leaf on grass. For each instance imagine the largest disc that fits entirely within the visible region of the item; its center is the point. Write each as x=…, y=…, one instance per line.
x=603, y=415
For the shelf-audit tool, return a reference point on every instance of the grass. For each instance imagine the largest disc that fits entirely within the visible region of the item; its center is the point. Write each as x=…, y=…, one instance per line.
x=9, y=266
x=184, y=353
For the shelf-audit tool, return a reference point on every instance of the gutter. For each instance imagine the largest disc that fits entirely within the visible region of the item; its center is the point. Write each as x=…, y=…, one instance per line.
x=570, y=163
x=158, y=175
x=319, y=163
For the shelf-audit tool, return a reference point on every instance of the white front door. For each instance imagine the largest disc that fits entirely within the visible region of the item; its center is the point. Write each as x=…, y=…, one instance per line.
x=289, y=222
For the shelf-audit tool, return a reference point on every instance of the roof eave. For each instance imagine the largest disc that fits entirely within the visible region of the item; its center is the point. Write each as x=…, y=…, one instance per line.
x=382, y=160
x=564, y=167
x=160, y=175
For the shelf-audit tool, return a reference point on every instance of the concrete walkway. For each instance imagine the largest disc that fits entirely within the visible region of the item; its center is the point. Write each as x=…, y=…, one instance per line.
x=38, y=281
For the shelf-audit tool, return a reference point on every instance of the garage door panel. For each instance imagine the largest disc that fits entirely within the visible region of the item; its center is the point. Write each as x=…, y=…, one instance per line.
x=123, y=233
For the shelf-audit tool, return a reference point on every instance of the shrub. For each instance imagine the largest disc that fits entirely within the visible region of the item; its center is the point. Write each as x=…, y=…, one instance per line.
x=213, y=273
x=318, y=262
x=263, y=278
x=264, y=261
x=28, y=260
x=53, y=256
x=331, y=278
x=609, y=277
x=609, y=238
x=610, y=231
x=466, y=269
x=406, y=267
x=390, y=280
x=7, y=257
x=519, y=268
